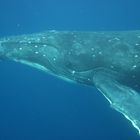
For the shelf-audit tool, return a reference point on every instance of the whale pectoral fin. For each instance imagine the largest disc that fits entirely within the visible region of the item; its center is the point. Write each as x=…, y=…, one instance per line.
x=122, y=98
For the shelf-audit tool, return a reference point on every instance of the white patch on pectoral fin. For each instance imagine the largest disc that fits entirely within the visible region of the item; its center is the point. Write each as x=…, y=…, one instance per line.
x=122, y=98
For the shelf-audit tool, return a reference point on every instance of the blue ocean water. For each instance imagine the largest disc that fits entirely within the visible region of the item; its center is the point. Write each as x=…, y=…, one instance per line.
x=37, y=106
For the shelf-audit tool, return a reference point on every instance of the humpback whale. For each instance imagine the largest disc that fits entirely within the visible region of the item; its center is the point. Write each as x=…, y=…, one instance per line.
x=109, y=61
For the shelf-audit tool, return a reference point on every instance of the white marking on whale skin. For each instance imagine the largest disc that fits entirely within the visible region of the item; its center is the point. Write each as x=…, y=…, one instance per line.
x=136, y=56
x=36, y=52
x=137, y=44
x=134, y=66
x=44, y=45
x=100, y=53
x=38, y=39
x=43, y=37
x=54, y=59
x=21, y=41
x=116, y=38
x=88, y=79
x=111, y=66
x=35, y=46
x=73, y=72
x=113, y=39
x=109, y=40
x=93, y=55
x=53, y=31
x=29, y=42
x=92, y=49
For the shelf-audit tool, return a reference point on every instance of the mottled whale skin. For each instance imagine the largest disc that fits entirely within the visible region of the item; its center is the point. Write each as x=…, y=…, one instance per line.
x=109, y=61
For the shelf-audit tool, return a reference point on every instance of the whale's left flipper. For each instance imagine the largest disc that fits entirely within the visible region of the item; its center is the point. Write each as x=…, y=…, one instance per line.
x=122, y=98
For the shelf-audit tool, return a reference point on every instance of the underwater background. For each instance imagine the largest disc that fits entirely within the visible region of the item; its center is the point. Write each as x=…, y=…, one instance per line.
x=37, y=106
